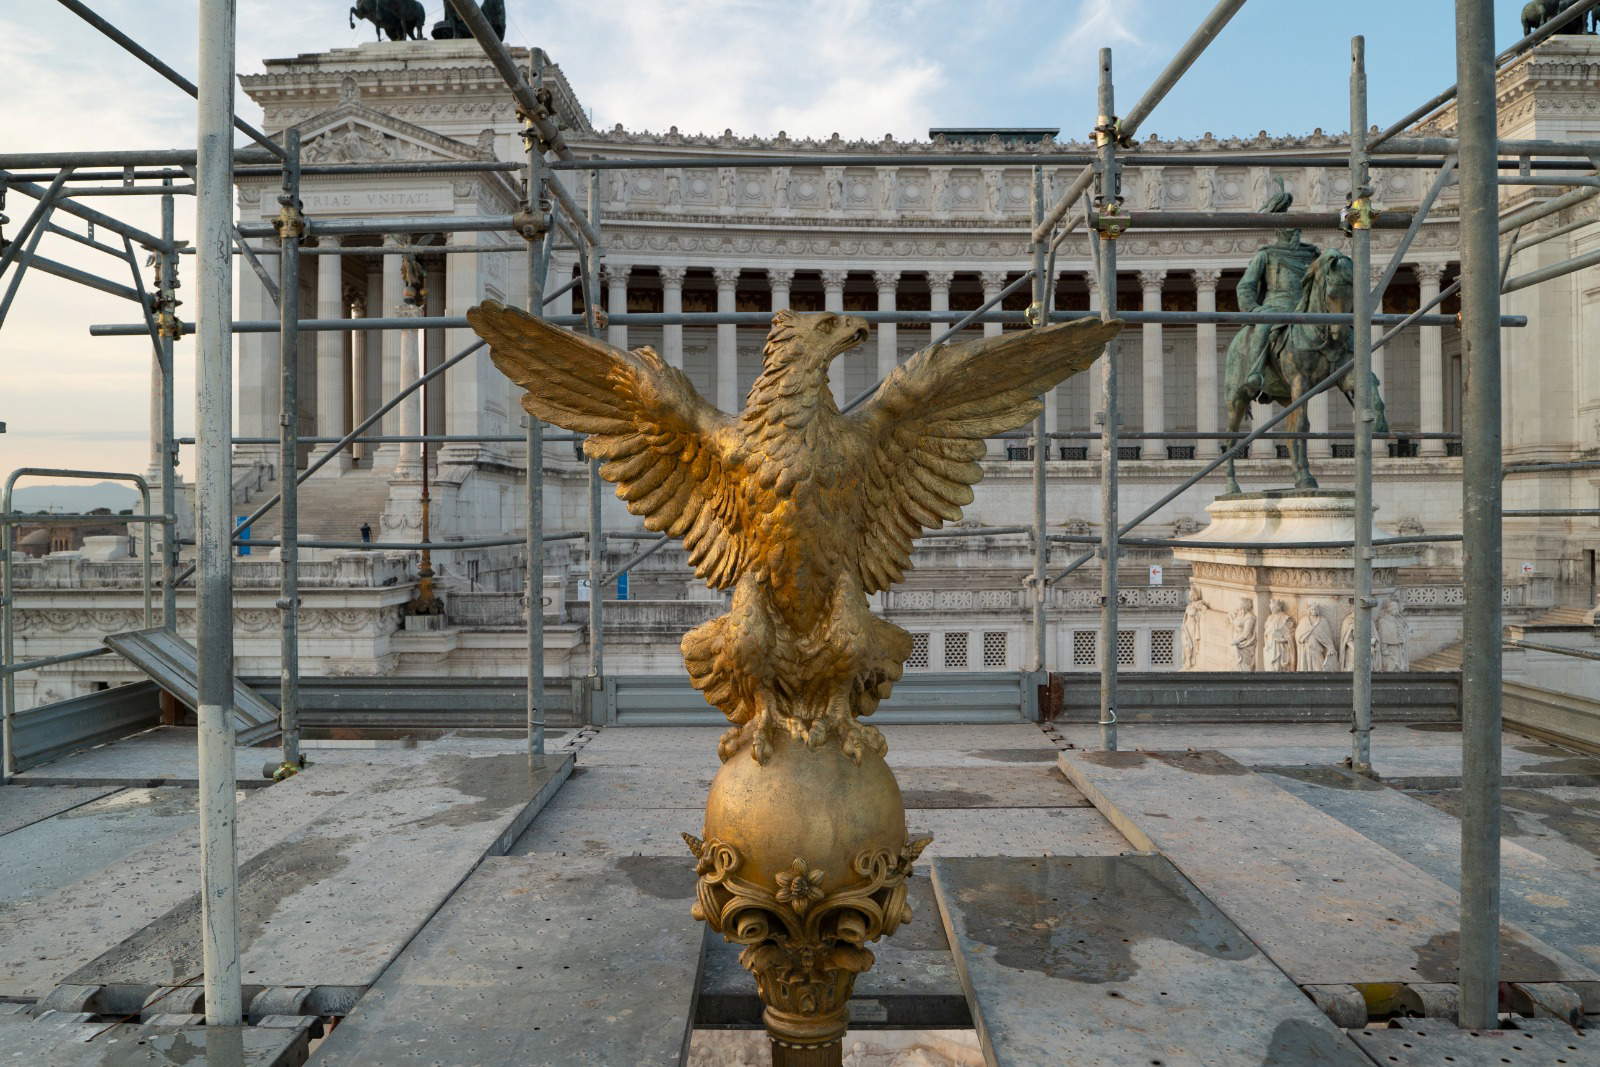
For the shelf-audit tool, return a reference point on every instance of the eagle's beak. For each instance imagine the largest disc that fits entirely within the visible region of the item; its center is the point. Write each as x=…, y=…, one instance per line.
x=856, y=331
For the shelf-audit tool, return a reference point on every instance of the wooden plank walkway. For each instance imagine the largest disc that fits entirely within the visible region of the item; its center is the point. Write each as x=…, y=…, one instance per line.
x=1117, y=960
x=540, y=960
x=1328, y=905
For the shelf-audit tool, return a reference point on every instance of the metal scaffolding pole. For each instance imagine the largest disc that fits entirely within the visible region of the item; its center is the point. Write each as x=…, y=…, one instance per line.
x=36, y=218
x=290, y=226
x=219, y=875
x=1480, y=519
x=1362, y=306
x=1107, y=205
x=590, y=268
x=165, y=298
x=1041, y=445
x=537, y=253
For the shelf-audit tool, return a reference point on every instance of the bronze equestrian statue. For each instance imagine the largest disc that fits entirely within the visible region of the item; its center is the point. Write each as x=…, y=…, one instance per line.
x=1280, y=362
x=402, y=20
x=452, y=28
x=1538, y=12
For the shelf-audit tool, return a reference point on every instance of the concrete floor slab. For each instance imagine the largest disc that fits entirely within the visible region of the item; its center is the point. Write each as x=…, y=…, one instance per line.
x=1118, y=960
x=66, y=1042
x=534, y=962
x=23, y=805
x=1017, y=832
x=573, y=830
x=332, y=904
x=78, y=842
x=1024, y=786
x=1328, y=905
x=1559, y=906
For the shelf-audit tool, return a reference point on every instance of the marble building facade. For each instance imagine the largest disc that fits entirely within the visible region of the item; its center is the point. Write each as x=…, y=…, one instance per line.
x=851, y=238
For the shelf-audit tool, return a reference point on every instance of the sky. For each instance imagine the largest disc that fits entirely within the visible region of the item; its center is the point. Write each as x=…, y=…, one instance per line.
x=861, y=68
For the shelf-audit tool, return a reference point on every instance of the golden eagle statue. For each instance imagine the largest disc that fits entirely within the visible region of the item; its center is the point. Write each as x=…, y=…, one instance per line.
x=798, y=508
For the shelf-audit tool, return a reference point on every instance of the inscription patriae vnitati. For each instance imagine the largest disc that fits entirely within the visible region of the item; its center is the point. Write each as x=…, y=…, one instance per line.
x=380, y=201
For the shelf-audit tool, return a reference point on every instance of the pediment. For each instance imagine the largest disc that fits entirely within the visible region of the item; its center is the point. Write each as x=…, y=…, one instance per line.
x=355, y=133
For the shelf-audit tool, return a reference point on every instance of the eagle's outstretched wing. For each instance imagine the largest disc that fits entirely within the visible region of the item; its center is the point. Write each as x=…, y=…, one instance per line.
x=927, y=422
x=661, y=443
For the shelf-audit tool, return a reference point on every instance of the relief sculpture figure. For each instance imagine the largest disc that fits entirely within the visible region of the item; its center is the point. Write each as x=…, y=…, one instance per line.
x=1277, y=649
x=1243, y=620
x=802, y=512
x=1315, y=637
x=1193, y=622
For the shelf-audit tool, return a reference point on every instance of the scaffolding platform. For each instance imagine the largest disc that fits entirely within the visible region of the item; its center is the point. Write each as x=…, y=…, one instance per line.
x=536, y=961
x=1112, y=960
x=174, y=665
x=340, y=865
x=63, y=1039
x=1328, y=905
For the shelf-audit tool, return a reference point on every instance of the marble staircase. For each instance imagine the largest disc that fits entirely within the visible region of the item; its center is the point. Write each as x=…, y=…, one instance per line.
x=331, y=509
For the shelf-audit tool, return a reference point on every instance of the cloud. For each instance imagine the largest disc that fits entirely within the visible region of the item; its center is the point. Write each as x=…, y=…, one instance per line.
x=1073, y=57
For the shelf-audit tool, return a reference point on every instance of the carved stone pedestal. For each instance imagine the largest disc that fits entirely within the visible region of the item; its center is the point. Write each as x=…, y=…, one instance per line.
x=1230, y=623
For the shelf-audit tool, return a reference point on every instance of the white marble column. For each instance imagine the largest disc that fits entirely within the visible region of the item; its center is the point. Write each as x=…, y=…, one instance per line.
x=672, y=304
x=939, y=298
x=833, y=300
x=887, y=282
x=258, y=379
x=1207, y=393
x=410, y=409
x=992, y=281
x=727, y=279
x=355, y=300
x=391, y=344
x=1431, y=372
x=779, y=280
x=1155, y=366
x=331, y=380
x=617, y=301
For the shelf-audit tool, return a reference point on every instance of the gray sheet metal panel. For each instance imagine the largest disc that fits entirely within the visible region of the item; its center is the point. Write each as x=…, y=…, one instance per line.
x=333, y=904
x=1433, y=1042
x=1227, y=696
x=1557, y=905
x=586, y=961
x=935, y=697
x=57, y=1041
x=1115, y=960
x=1328, y=905
x=174, y=664
x=462, y=703
x=51, y=731
x=75, y=844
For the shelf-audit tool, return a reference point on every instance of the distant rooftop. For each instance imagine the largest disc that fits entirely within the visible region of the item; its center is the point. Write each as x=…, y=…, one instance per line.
x=1005, y=134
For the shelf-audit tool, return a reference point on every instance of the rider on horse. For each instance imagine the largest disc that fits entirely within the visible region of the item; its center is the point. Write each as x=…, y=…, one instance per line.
x=1272, y=283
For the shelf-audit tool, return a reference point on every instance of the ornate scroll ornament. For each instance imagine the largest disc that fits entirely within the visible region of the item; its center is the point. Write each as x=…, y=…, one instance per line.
x=804, y=946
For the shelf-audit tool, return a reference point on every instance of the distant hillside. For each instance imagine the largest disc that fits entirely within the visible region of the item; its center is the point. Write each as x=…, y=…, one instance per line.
x=71, y=498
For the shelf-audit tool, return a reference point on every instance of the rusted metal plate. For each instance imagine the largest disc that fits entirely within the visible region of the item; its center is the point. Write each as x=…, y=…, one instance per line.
x=332, y=904
x=1435, y=1043
x=583, y=961
x=1328, y=905
x=1116, y=960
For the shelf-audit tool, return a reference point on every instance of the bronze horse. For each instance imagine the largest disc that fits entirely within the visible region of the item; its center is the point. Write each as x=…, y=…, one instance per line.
x=1299, y=357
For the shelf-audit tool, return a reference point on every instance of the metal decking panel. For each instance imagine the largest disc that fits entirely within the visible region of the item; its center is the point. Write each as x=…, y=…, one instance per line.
x=69, y=1041
x=935, y=697
x=174, y=665
x=50, y=731
x=1116, y=960
x=1329, y=906
x=540, y=960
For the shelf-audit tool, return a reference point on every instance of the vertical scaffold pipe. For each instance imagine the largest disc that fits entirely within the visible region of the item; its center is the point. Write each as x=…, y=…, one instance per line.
x=1361, y=258
x=1480, y=517
x=291, y=228
x=1038, y=316
x=219, y=898
x=597, y=532
x=1110, y=551
x=537, y=260
x=167, y=283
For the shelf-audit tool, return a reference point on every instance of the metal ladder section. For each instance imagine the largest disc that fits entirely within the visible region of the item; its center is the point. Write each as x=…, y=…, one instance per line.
x=174, y=665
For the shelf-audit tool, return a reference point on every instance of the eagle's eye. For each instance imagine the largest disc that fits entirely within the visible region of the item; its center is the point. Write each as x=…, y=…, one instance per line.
x=826, y=325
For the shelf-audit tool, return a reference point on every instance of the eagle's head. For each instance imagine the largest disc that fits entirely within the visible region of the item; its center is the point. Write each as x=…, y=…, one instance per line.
x=811, y=341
